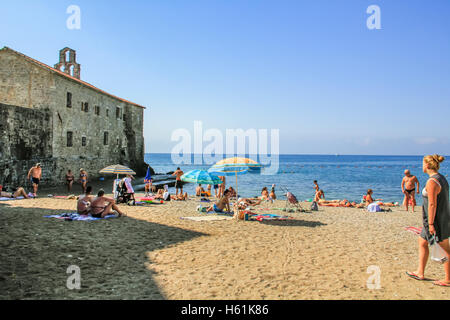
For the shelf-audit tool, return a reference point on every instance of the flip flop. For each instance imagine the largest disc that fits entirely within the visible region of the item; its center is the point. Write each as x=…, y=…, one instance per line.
x=414, y=276
x=441, y=284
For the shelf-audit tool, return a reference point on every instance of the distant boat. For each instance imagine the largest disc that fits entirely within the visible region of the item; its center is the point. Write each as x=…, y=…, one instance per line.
x=337, y=154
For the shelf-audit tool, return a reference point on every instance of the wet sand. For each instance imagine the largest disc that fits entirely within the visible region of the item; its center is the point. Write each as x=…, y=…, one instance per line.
x=154, y=254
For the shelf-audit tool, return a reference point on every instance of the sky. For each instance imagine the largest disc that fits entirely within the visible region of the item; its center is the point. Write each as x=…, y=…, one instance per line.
x=311, y=69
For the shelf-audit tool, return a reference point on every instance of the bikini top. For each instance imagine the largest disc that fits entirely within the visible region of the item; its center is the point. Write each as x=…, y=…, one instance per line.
x=424, y=190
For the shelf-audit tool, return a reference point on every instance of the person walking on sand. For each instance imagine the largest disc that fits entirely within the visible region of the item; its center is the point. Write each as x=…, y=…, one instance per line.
x=102, y=206
x=83, y=179
x=436, y=218
x=35, y=174
x=409, y=188
x=178, y=183
x=69, y=180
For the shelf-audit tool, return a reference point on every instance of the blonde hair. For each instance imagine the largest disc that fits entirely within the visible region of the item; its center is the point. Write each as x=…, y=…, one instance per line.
x=433, y=161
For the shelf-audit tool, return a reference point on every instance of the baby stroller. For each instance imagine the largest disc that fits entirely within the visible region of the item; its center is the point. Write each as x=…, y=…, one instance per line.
x=121, y=194
x=292, y=200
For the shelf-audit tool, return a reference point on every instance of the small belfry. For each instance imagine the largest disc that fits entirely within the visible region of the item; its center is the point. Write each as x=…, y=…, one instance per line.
x=68, y=62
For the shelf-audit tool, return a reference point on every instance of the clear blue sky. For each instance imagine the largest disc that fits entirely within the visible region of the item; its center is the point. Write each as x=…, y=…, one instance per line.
x=309, y=68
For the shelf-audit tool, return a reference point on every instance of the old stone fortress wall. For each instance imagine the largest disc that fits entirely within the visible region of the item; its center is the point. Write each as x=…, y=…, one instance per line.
x=49, y=115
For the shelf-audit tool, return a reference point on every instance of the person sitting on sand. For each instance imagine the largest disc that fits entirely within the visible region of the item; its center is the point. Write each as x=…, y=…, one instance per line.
x=84, y=202
x=199, y=191
x=369, y=199
x=265, y=194
x=319, y=196
x=102, y=206
x=20, y=192
x=221, y=204
x=272, y=194
x=232, y=192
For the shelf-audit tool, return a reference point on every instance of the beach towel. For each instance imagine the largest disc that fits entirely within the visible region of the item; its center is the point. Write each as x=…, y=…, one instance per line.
x=9, y=199
x=73, y=216
x=268, y=216
x=373, y=207
x=207, y=218
x=415, y=230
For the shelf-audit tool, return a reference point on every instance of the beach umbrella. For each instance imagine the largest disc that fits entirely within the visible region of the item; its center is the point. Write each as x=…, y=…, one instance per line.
x=148, y=176
x=117, y=169
x=234, y=167
x=201, y=177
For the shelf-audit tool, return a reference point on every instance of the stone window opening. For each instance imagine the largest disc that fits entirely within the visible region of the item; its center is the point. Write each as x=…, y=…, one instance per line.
x=69, y=100
x=118, y=113
x=107, y=112
x=86, y=107
x=97, y=110
x=83, y=141
x=105, y=138
x=69, y=138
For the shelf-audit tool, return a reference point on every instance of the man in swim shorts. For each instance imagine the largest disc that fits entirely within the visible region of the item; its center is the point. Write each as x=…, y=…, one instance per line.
x=35, y=174
x=178, y=183
x=409, y=189
x=102, y=206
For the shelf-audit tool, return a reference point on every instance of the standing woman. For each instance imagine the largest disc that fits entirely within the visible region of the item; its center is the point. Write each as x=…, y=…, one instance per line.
x=83, y=179
x=69, y=180
x=436, y=217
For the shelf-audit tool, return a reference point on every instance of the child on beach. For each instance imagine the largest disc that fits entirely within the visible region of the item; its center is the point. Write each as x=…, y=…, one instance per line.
x=272, y=194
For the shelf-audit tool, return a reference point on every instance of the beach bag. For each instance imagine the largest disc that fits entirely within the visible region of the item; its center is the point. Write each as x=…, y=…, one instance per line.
x=437, y=253
x=314, y=206
x=373, y=207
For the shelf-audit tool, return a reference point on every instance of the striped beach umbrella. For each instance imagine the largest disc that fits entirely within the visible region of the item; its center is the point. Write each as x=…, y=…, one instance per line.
x=234, y=167
x=200, y=177
x=117, y=169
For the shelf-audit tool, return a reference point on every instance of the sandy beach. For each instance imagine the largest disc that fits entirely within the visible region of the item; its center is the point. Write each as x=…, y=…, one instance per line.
x=154, y=254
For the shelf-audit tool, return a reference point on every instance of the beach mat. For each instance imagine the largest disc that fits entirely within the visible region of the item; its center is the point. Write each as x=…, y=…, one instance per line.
x=73, y=216
x=9, y=199
x=269, y=217
x=207, y=218
x=415, y=230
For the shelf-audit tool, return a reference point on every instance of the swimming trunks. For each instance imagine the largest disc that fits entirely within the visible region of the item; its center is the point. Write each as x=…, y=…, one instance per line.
x=216, y=209
x=216, y=186
x=179, y=184
x=410, y=191
x=35, y=180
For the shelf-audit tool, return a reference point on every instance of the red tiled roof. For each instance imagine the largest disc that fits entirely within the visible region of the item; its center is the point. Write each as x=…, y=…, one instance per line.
x=69, y=76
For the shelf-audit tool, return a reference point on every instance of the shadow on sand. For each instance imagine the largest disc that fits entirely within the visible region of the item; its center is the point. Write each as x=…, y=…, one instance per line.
x=111, y=255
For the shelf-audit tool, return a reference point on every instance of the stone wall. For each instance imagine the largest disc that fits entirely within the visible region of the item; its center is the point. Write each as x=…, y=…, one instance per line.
x=30, y=86
x=25, y=138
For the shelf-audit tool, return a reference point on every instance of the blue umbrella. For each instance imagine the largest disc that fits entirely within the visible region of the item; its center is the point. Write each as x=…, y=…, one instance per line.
x=201, y=177
x=148, y=176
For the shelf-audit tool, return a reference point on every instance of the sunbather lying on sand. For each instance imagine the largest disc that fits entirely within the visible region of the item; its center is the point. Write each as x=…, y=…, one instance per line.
x=243, y=203
x=369, y=199
x=20, y=192
x=180, y=197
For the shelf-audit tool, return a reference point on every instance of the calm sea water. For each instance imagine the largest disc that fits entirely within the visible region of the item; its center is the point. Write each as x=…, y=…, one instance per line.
x=340, y=177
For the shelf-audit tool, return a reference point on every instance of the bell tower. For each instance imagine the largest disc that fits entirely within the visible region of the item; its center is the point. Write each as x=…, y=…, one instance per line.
x=68, y=62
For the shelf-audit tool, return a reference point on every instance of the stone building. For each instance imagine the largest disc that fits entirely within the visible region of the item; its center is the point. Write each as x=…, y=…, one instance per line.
x=50, y=115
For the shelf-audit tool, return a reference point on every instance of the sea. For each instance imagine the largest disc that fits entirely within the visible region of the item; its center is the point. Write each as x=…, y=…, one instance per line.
x=339, y=176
